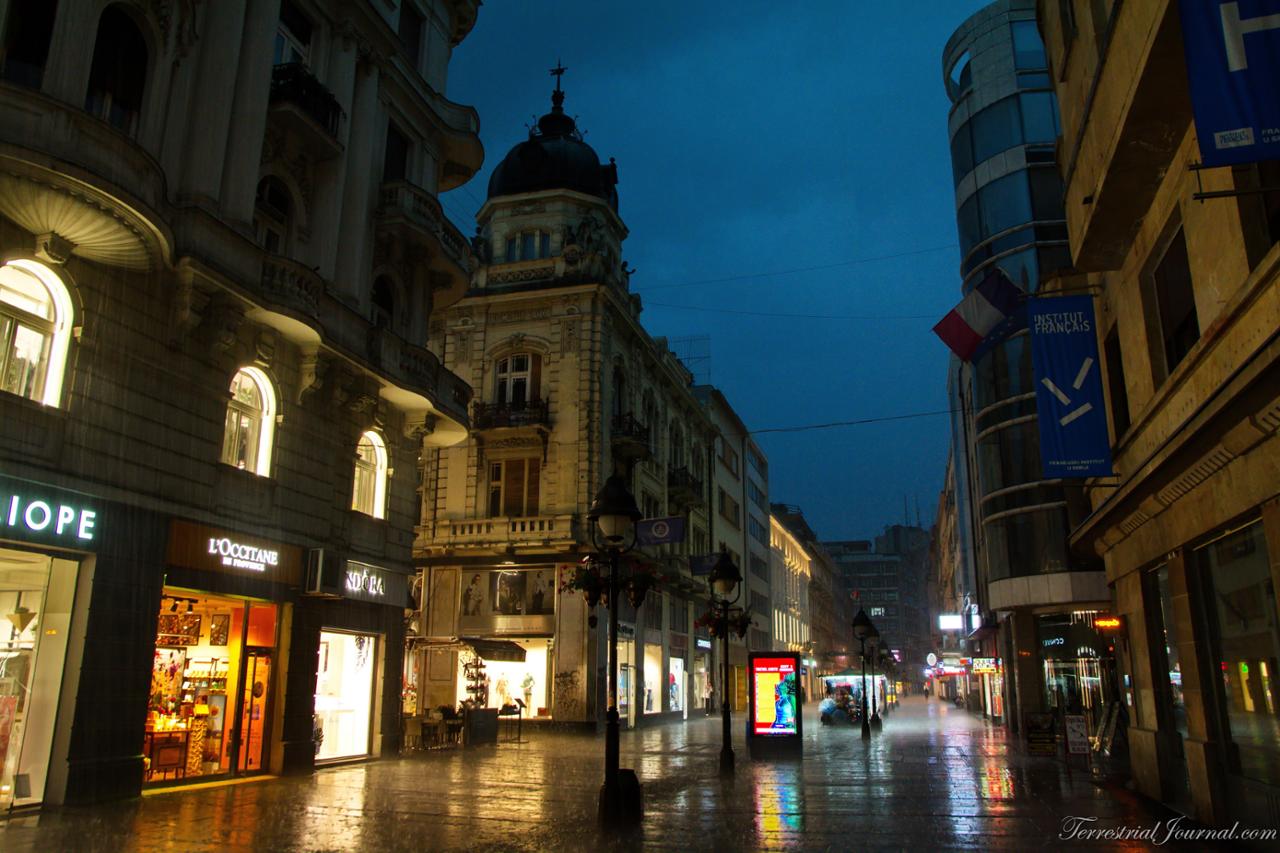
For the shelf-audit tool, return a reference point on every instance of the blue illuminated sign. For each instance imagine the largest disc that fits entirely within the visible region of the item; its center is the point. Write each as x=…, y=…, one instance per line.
x=1233, y=63
x=1069, y=401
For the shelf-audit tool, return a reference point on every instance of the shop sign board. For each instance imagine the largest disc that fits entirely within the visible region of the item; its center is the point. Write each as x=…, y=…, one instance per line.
x=363, y=582
x=198, y=546
x=950, y=622
x=34, y=512
x=773, y=708
x=984, y=666
x=1077, y=734
x=1042, y=735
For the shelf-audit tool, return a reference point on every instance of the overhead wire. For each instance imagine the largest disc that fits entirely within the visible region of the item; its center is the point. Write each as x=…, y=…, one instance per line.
x=818, y=268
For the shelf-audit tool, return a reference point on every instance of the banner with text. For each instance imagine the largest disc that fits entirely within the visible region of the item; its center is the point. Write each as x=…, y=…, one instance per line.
x=1069, y=401
x=1233, y=62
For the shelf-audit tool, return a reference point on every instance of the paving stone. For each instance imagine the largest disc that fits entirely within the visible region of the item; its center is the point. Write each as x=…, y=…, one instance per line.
x=935, y=778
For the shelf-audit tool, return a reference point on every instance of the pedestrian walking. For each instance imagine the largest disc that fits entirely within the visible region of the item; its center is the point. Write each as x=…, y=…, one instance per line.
x=708, y=695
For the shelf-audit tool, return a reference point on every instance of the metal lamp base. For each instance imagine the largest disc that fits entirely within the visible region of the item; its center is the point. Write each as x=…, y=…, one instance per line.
x=875, y=721
x=622, y=806
x=866, y=730
x=726, y=762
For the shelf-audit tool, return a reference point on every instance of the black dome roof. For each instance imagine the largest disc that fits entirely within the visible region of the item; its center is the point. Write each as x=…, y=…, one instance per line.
x=554, y=157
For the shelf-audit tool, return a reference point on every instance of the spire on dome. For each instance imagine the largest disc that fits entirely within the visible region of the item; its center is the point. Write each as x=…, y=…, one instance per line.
x=556, y=123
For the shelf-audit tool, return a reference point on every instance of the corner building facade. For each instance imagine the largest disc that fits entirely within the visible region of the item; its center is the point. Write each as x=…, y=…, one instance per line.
x=210, y=417
x=1035, y=598
x=1185, y=263
x=570, y=389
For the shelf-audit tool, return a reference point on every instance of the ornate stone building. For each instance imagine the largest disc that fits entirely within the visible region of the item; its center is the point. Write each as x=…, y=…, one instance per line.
x=569, y=389
x=219, y=245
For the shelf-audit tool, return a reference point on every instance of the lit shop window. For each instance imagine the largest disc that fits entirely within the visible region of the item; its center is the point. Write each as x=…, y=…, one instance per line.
x=370, y=492
x=250, y=429
x=35, y=331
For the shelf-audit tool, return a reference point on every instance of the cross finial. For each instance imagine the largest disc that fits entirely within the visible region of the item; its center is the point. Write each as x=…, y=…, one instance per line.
x=558, y=72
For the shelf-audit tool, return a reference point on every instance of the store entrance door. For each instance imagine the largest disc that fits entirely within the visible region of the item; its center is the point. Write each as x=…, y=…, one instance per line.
x=253, y=715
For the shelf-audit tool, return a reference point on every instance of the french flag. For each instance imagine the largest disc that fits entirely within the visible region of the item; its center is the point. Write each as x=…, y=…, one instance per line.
x=985, y=317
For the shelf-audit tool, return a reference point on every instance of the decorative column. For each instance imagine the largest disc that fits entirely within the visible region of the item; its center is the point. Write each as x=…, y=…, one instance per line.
x=249, y=111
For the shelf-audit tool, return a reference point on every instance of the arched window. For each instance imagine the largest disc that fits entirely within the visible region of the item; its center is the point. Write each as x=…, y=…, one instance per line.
x=273, y=215
x=516, y=380
x=35, y=331
x=118, y=74
x=369, y=494
x=676, y=441
x=619, y=392
x=384, y=303
x=251, y=421
x=27, y=34
x=651, y=421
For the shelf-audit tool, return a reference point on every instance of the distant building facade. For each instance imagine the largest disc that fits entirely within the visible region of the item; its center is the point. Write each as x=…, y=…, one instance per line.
x=740, y=525
x=570, y=389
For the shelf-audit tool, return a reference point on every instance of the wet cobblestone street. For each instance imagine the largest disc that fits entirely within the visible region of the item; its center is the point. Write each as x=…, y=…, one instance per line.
x=935, y=777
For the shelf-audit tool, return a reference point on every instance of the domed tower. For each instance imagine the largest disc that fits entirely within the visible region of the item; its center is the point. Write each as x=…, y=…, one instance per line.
x=551, y=217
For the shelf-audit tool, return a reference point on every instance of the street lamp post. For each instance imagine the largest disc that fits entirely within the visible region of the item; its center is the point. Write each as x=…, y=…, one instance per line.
x=862, y=629
x=725, y=579
x=873, y=639
x=615, y=513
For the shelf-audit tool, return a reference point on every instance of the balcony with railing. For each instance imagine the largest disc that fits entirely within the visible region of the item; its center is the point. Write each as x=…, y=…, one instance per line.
x=683, y=487
x=489, y=416
x=629, y=438
x=499, y=533
x=416, y=214
x=306, y=109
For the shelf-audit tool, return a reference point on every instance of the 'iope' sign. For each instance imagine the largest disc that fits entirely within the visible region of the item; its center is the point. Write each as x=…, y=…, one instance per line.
x=50, y=518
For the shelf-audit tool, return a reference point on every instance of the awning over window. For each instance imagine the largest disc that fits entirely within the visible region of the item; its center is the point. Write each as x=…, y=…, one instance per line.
x=487, y=649
x=495, y=649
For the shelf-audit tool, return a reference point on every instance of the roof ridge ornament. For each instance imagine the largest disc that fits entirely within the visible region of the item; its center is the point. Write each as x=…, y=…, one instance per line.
x=557, y=96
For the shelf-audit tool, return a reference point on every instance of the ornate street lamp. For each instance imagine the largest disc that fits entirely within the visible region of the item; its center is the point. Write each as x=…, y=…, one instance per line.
x=725, y=579
x=873, y=640
x=614, y=513
x=862, y=629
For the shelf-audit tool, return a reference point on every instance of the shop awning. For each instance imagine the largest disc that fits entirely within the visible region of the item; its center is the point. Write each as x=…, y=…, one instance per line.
x=495, y=649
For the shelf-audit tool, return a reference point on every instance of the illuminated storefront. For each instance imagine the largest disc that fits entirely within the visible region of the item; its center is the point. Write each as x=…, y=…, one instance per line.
x=344, y=694
x=1079, y=665
x=510, y=678
x=39, y=589
x=213, y=690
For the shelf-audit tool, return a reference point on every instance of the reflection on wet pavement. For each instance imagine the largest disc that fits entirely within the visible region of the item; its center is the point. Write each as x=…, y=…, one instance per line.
x=935, y=776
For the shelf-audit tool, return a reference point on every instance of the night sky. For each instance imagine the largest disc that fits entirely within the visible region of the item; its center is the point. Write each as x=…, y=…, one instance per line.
x=774, y=159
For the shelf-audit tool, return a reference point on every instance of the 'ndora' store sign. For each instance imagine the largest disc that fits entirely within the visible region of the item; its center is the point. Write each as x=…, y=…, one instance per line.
x=33, y=512
x=197, y=546
x=364, y=582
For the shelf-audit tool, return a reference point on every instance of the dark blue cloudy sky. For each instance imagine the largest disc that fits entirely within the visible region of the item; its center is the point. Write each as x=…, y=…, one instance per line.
x=768, y=144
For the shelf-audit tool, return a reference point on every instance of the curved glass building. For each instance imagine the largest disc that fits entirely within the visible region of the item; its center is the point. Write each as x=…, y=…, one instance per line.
x=1003, y=129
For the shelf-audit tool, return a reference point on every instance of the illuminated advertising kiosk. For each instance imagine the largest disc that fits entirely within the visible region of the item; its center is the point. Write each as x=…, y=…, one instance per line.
x=774, y=725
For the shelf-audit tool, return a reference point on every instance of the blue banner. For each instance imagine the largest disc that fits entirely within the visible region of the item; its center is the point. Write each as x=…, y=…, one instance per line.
x=1233, y=63
x=1069, y=401
x=660, y=531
